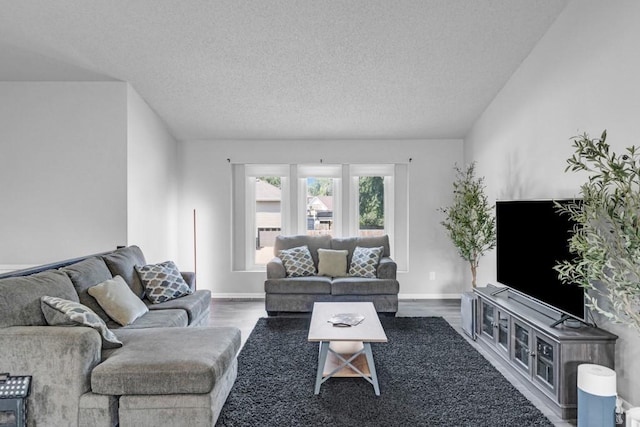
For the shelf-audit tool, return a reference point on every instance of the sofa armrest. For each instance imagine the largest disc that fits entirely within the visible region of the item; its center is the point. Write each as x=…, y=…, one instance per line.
x=190, y=278
x=387, y=268
x=275, y=269
x=60, y=359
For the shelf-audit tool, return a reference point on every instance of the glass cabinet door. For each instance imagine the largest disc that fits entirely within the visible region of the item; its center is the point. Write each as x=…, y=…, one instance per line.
x=503, y=331
x=488, y=315
x=521, y=346
x=544, y=362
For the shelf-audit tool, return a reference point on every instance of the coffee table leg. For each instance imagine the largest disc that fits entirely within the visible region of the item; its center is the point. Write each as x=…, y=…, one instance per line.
x=372, y=367
x=322, y=359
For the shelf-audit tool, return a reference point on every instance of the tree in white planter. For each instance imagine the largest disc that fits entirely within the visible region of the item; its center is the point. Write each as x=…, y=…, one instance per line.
x=470, y=220
x=606, y=240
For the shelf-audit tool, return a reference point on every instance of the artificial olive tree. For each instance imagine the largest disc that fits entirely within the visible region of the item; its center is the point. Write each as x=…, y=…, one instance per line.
x=606, y=239
x=470, y=220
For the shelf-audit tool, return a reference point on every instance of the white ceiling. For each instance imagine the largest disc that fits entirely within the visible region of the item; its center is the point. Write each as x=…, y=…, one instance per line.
x=284, y=69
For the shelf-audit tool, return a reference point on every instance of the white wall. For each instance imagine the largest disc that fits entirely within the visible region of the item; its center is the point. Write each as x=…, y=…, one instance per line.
x=152, y=174
x=206, y=187
x=584, y=75
x=63, y=181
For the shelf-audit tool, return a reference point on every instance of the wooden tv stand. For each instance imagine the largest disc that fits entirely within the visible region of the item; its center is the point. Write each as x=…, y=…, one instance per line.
x=546, y=358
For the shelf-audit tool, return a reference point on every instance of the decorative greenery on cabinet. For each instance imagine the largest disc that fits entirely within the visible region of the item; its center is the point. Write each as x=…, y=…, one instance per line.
x=606, y=240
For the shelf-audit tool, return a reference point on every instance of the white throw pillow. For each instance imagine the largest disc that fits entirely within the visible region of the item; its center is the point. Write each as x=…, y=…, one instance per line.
x=118, y=300
x=332, y=263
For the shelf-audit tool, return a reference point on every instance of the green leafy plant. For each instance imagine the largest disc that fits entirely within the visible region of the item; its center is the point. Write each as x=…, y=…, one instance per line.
x=606, y=239
x=470, y=220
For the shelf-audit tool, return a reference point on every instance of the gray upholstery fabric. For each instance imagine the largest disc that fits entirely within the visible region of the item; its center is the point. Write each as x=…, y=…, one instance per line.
x=363, y=286
x=298, y=294
x=60, y=359
x=121, y=262
x=313, y=242
x=20, y=297
x=166, y=361
x=98, y=410
x=174, y=409
x=193, y=304
x=85, y=274
x=190, y=278
x=299, y=285
x=387, y=269
x=156, y=319
x=275, y=269
x=303, y=303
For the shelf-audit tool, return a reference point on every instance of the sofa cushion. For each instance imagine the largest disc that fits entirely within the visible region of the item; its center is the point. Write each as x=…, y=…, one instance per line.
x=299, y=285
x=62, y=312
x=121, y=262
x=166, y=361
x=162, y=282
x=332, y=263
x=313, y=242
x=297, y=261
x=364, y=286
x=20, y=297
x=155, y=319
x=364, y=262
x=85, y=274
x=194, y=305
x=118, y=300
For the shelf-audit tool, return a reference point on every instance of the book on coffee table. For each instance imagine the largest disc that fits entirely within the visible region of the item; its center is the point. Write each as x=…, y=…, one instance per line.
x=346, y=319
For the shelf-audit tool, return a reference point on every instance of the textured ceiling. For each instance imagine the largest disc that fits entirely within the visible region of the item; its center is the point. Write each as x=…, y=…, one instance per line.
x=284, y=69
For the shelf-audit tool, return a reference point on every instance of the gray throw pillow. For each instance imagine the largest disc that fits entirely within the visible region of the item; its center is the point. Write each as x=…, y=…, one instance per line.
x=62, y=312
x=364, y=262
x=163, y=282
x=297, y=261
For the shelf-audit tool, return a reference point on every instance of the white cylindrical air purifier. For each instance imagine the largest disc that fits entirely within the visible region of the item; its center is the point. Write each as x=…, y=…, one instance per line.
x=596, y=396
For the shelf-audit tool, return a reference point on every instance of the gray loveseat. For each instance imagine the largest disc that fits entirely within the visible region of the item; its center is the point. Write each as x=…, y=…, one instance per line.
x=169, y=369
x=297, y=294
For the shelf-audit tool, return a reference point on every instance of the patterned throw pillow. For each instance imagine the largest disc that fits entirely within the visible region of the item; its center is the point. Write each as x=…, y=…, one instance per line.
x=297, y=261
x=62, y=312
x=163, y=282
x=364, y=262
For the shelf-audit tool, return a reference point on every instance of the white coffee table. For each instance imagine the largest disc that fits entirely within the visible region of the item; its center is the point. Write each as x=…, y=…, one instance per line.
x=346, y=351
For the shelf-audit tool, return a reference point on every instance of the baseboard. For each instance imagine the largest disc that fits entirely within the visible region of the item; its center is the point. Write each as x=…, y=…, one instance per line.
x=428, y=296
x=400, y=296
x=238, y=296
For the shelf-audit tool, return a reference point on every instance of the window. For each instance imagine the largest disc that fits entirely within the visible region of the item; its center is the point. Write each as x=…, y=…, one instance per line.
x=373, y=195
x=320, y=199
x=267, y=196
x=319, y=210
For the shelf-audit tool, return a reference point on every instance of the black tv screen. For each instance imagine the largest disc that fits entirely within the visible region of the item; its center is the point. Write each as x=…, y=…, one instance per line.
x=532, y=237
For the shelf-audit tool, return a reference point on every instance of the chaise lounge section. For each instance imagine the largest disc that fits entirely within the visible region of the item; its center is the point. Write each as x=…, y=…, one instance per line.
x=287, y=293
x=167, y=367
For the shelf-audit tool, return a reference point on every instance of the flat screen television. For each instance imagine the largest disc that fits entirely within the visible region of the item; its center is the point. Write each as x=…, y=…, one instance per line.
x=532, y=237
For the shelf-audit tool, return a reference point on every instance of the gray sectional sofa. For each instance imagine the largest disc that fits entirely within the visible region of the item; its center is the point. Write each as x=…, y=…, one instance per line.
x=297, y=294
x=169, y=370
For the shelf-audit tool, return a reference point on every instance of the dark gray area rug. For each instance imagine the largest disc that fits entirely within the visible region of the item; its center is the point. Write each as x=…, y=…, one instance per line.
x=429, y=376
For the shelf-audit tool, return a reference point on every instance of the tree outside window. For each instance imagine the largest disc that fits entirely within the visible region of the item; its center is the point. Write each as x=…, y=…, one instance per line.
x=371, y=205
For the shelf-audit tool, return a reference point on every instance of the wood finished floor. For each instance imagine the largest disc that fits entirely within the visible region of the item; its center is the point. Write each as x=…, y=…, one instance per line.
x=244, y=314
